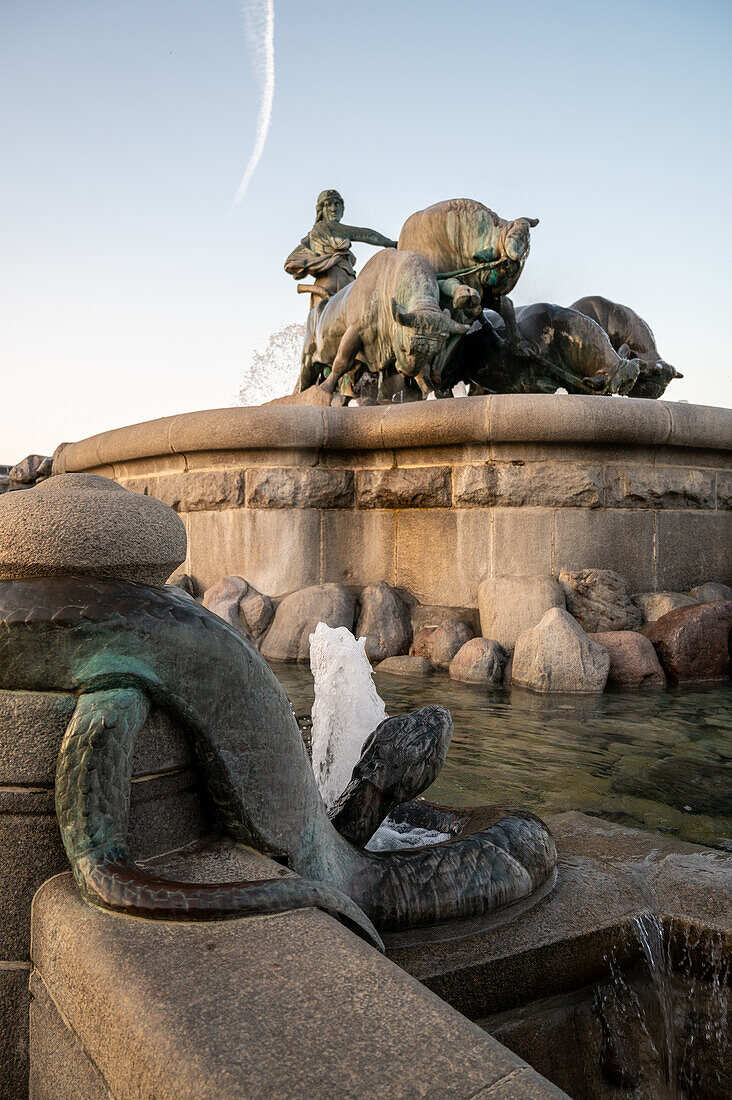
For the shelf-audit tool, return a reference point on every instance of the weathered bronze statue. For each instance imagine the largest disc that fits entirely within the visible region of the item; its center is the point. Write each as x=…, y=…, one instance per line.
x=326, y=251
x=389, y=316
x=567, y=349
x=632, y=338
x=471, y=248
x=461, y=257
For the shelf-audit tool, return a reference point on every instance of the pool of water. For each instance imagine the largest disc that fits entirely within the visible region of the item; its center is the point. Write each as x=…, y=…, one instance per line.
x=656, y=760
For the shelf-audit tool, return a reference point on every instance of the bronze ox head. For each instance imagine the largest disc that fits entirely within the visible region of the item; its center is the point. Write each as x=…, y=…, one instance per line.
x=513, y=244
x=419, y=340
x=430, y=324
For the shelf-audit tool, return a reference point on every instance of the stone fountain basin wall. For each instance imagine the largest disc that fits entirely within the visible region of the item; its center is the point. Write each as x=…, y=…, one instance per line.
x=437, y=496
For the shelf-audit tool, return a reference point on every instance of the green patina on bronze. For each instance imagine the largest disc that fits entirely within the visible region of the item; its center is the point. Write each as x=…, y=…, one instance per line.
x=325, y=253
x=120, y=647
x=475, y=259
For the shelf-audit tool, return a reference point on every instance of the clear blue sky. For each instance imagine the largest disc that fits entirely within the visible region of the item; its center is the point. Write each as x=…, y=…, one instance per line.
x=129, y=288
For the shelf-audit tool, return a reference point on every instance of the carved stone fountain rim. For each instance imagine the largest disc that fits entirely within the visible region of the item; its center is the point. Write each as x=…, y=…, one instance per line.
x=537, y=418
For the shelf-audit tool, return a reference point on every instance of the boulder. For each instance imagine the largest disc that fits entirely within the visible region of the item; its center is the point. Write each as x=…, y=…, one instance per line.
x=405, y=666
x=653, y=605
x=240, y=604
x=599, y=600
x=30, y=468
x=419, y=646
x=84, y=525
x=186, y=583
x=256, y=612
x=633, y=660
x=479, y=661
x=444, y=642
x=288, y=638
x=692, y=642
x=510, y=605
x=706, y=593
x=4, y=483
x=384, y=620
x=557, y=655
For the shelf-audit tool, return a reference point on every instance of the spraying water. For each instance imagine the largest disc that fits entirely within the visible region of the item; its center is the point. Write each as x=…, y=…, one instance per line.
x=347, y=706
x=347, y=709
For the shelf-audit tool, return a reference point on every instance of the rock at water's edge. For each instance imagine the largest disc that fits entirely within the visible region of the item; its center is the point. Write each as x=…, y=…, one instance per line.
x=557, y=655
x=479, y=661
x=444, y=642
x=633, y=660
x=599, y=600
x=384, y=620
x=706, y=593
x=288, y=638
x=692, y=643
x=654, y=605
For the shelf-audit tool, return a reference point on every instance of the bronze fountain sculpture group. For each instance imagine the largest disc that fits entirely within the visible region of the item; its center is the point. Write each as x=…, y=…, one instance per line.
x=431, y=310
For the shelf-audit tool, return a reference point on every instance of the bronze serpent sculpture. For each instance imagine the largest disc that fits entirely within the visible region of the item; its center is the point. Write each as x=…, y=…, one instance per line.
x=122, y=646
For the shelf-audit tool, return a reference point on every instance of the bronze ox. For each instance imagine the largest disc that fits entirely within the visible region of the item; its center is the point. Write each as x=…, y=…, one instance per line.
x=631, y=337
x=477, y=255
x=568, y=349
x=389, y=316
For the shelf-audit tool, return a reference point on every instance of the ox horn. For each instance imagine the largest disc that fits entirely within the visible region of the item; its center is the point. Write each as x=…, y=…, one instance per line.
x=402, y=316
x=453, y=328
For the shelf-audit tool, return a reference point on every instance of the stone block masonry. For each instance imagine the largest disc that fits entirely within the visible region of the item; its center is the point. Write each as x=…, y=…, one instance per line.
x=166, y=812
x=438, y=497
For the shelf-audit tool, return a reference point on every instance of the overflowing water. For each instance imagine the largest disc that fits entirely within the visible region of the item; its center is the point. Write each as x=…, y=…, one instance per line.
x=666, y=1031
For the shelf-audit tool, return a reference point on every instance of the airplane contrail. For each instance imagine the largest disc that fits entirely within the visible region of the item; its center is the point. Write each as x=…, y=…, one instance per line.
x=259, y=30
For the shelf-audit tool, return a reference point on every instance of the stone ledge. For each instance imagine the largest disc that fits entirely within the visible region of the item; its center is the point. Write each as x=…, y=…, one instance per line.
x=510, y=483
x=660, y=487
x=282, y=1006
x=532, y=418
x=194, y=491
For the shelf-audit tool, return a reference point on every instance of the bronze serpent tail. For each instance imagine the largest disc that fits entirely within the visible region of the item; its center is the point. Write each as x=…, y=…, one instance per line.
x=93, y=780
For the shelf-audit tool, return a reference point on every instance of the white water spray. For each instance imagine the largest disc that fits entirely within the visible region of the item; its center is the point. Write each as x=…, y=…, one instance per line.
x=347, y=707
x=259, y=31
